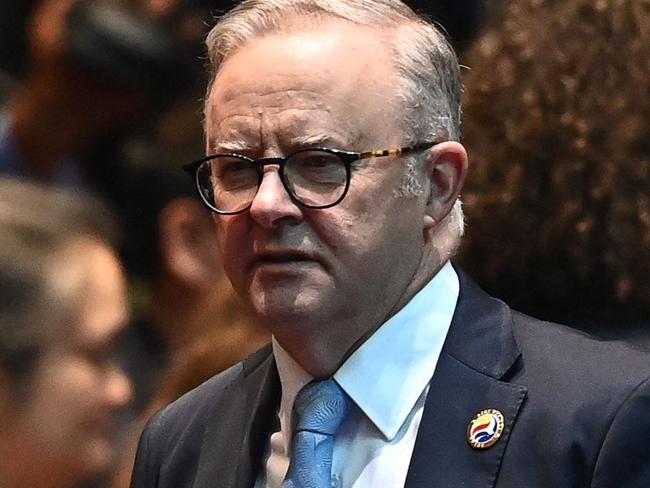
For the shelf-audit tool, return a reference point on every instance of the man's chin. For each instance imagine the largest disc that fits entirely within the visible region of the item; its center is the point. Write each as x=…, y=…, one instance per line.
x=288, y=298
x=290, y=279
x=274, y=313
x=272, y=309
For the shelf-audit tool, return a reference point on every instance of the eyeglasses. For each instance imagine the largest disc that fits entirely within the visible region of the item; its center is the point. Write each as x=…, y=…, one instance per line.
x=313, y=177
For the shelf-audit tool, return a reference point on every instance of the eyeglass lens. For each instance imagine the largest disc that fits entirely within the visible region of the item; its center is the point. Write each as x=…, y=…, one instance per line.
x=315, y=178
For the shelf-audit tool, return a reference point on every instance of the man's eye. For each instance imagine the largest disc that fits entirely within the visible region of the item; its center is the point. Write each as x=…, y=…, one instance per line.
x=230, y=167
x=318, y=162
x=233, y=174
x=318, y=167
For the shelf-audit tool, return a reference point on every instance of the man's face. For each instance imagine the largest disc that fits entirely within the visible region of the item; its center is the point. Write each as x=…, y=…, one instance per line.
x=324, y=278
x=68, y=417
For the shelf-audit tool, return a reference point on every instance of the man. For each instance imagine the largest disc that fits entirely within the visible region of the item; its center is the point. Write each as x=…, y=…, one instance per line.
x=62, y=303
x=343, y=252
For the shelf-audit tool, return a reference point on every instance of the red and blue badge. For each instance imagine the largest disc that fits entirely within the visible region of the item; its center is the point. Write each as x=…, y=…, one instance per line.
x=485, y=429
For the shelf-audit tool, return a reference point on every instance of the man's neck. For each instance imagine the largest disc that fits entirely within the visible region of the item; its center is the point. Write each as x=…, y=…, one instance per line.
x=321, y=355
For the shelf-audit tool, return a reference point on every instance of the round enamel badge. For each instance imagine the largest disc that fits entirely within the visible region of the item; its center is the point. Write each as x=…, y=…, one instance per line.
x=485, y=429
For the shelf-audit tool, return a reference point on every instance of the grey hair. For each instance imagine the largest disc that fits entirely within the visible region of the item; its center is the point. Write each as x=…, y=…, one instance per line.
x=427, y=66
x=451, y=229
x=428, y=71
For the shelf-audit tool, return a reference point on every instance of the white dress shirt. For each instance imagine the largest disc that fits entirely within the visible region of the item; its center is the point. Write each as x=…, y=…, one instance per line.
x=387, y=377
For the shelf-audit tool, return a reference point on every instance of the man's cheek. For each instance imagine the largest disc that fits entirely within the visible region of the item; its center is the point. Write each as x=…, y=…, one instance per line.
x=226, y=234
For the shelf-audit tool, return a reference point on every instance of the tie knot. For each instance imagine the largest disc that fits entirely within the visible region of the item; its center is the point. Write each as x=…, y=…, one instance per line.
x=321, y=406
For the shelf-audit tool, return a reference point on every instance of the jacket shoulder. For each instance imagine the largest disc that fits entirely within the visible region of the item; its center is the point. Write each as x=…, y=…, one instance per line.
x=191, y=408
x=584, y=420
x=571, y=356
x=171, y=443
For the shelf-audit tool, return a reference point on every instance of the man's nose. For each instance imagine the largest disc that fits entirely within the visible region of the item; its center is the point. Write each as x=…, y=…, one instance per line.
x=272, y=204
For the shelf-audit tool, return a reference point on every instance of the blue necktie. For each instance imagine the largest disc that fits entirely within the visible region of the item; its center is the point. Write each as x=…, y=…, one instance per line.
x=320, y=408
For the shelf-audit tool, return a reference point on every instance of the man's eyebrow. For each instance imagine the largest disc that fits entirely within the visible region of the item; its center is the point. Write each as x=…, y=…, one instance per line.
x=312, y=140
x=229, y=146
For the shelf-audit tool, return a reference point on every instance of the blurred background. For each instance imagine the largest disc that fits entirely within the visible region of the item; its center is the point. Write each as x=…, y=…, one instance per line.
x=104, y=98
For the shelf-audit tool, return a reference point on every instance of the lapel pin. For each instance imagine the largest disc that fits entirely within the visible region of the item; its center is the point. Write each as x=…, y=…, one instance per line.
x=485, y=429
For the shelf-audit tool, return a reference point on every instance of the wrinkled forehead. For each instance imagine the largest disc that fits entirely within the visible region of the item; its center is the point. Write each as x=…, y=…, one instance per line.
x=338, y=78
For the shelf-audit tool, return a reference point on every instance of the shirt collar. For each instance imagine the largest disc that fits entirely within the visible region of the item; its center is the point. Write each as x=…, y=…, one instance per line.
x=292, y=379
x=386, y=375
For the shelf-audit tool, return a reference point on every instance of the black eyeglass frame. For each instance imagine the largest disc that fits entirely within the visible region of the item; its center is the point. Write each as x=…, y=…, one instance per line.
x=346, y=157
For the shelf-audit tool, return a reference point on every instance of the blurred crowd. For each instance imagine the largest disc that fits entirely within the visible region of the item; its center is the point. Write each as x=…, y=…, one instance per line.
x=557, y=127
x=113, y=301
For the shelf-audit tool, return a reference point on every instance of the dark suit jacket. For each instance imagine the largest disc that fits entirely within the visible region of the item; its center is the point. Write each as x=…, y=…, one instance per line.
x=577, y=412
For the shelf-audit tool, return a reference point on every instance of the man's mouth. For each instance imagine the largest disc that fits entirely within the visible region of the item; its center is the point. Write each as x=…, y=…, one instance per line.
x=284, y=258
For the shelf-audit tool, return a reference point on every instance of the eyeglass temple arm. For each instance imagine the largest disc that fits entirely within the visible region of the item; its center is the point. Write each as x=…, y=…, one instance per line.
x=191, y=168
x=398, y=151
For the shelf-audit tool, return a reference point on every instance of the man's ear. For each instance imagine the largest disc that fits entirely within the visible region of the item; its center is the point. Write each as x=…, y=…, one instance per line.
x=188, y=243
x=446, y=165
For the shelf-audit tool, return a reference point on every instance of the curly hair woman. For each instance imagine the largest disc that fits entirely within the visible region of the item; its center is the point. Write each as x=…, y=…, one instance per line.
x=557, y=123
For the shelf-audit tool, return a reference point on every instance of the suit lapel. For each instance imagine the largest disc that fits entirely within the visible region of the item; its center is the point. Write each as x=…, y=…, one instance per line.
x=233, y=445
x=479, y=351
x=442, y=456
x=263, y=394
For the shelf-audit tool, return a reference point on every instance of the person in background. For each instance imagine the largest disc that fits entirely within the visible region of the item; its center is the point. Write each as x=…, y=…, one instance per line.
x=180, y=292
x=556, y=121
x=334, y=170
x=102, y=86
x=62, y=106
x=188, y=322
x=62, y=306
